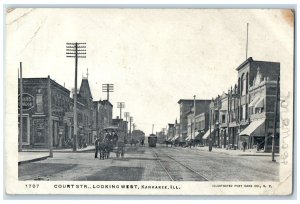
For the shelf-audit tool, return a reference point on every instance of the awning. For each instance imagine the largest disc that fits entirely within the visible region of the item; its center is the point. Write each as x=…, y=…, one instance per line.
x=260, y=103
x=169, y=139
x=188, y=138
x=198, y=136
x=254, y=101
x=255, y=128
x=175, y=138
x=206, y=135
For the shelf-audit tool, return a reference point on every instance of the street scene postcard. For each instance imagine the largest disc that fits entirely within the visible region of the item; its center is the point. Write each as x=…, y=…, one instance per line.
x=110, y=101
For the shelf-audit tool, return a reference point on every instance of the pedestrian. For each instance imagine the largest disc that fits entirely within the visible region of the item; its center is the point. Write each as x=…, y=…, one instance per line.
x=244, y=145
x=97, y=146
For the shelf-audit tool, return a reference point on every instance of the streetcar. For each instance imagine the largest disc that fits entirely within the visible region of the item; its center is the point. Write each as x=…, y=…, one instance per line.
x=152, y=140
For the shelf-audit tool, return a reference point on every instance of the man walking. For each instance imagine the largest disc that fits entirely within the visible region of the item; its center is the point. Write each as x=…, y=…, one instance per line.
x=97, y=146
x=244, y=145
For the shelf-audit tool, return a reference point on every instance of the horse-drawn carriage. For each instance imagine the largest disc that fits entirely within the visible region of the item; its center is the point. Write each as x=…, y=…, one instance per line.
x=112, y=140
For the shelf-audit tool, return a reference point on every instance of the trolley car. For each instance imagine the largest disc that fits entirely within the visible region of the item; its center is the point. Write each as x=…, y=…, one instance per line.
x=152, y=140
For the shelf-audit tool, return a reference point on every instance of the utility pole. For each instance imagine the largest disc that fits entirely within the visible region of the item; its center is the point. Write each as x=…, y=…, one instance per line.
x=247, y=42
x=275, y=120
x=107, y=88
x=194, y=128
x=126, y=115
x=210, y=121
x=75, y=50
x=130, y=121
x=121, y=105
x=21, y=110
x=133, y=126
x=50, y=136
x=152, y=128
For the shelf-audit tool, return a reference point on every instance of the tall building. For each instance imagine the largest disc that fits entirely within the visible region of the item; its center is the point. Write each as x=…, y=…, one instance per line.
x=85, y=115
x=249, y=72
x=246, y=112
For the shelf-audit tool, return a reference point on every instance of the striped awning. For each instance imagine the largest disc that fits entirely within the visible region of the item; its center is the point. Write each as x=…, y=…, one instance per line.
x=260, y=103
x=175, y=138
x=188, y=138
x=254, y=101
x=254, y=126
x=206, y=135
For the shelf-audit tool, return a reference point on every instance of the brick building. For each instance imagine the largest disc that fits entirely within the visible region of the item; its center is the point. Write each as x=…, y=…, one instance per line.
x=102, y=116
x=186, y=106
x=246, y=112
x=36, y=113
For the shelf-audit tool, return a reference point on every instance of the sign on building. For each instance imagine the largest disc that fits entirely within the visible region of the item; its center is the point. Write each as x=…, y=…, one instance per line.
x=27, y=101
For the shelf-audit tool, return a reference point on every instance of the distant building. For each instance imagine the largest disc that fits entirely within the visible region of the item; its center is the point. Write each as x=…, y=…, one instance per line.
x=171, y=132
x=122, y=125
x=186, y=106
x=102, y=116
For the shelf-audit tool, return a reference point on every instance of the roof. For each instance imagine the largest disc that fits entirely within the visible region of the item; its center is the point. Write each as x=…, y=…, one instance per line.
x=250, y=59
x=45, y=80
x=244, y=63
x=104, y=102
x=190, y=100
x=85, y=90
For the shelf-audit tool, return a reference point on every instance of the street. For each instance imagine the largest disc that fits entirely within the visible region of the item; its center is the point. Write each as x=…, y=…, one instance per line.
x=152, y=164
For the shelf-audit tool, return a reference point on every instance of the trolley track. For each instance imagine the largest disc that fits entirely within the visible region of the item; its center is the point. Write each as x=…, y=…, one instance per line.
x=166, y=162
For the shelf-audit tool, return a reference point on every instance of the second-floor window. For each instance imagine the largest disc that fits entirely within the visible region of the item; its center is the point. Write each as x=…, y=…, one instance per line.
x=244, y=112
x=39, y=103
x=223, y=119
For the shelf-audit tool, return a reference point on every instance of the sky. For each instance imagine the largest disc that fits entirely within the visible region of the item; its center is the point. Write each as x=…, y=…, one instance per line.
x=154, y=57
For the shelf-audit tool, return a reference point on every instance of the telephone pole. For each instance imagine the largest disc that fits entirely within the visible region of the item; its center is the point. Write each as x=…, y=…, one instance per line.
x=126, y=115
x=130, y=121
x=107, y=88
x=21, y=110
x=121, y=105
x=275, y=120
x=194, y=128
x=152, y=128
x=50, y=136
x=247, y=42
x=75, y=50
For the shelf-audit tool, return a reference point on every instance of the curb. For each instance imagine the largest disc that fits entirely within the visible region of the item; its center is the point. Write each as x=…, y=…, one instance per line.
x=33, y=160
x=239, y=154
x=60, y=151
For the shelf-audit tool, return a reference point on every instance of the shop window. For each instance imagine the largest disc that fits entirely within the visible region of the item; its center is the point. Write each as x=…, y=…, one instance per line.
x=25, y=129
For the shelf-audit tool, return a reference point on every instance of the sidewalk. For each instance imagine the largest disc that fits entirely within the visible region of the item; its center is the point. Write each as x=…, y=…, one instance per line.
x=61, y=150
x=32, y=155
x=25, y=157
x=238, y=152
